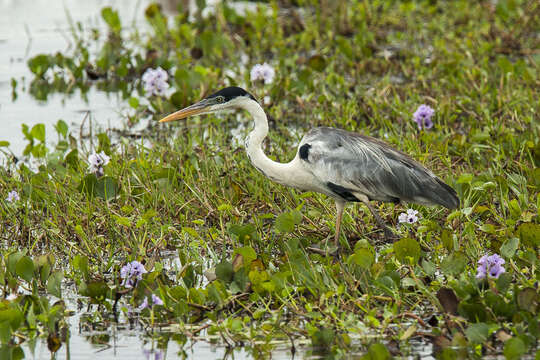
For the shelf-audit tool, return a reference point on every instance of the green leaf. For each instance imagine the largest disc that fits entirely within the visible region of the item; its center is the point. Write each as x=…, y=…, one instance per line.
x=39, y=64
x=377, y=352
x=4, y=143
x=447, y=240
x=454, y=264
x=54, y=284
x=38, y=132
x=111, y=18
x=317, y=62
x=12, y=260
x=407, y=248
x=529, y=233
x=97, y=290
x=514, y=348
x=244, y=233
x=80, y=263
x=527, y=299
x=286, y=222
x=224, y=271
x=363, y=257
x=133, y=102
x=12, y=316
x=61, y=128
x=503, y=282
x=25, y=268
x=247, y=253
x=477, y=333
x=508, y=249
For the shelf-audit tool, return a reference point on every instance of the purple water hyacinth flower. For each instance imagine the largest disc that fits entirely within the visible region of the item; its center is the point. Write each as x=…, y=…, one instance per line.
x=97, y=162
x=158, y=354
x=491, y=266
x=13, y=196
x=410, y=217
x=422, y=116
x=155, y=81
x=155, y=301
x=131, y=273
x=263, y=72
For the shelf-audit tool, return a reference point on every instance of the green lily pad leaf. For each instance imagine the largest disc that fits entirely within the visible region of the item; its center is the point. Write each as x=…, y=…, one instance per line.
x=12, y=316
x=39, y=64
x=12, y=260
x=244, y=233
x=248, y=254
x=377, y=352
x=363, y=257
x=529, y=233
x=38, y=132
x=514, y=348
x=406, y=249
x=224, y=271
x=527, y=299
x=54, y=284
x=508, y=249
x=477, y=333
x=286, y=222
x=97, y=290
x=454, y=264
x=61, y=128
x=105, y=187
x=317, y=62
x=503, y=282
x=25, y=268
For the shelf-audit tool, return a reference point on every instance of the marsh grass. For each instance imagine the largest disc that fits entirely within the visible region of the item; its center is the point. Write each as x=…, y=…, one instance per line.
x=243, y=275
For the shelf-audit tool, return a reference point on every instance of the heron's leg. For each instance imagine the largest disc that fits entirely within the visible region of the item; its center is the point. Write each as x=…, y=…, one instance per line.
x=340, y=205
x=387, y=232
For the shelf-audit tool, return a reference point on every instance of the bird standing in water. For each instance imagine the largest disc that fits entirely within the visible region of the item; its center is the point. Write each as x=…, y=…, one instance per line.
x=343, y=165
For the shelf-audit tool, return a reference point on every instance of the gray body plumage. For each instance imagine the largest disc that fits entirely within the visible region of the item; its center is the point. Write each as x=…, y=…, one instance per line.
x=338, y=163
x=348, y=165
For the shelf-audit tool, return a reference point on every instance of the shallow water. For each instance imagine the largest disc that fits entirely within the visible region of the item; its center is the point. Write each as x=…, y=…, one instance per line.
x=32, y=27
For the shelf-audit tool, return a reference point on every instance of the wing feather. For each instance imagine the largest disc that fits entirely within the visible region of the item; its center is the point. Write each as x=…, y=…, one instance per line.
x=369, y=166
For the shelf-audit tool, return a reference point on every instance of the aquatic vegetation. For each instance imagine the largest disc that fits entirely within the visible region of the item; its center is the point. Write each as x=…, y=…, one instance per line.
x=263, y=72
x=13, y=196
x=176, y=219
x=155, y=81
x=409, y=217
x=131, y=273
x=97, y=162
x=422, y=116
x=490, y=265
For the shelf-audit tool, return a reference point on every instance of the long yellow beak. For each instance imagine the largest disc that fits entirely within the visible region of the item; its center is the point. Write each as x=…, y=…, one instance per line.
x=200, y=107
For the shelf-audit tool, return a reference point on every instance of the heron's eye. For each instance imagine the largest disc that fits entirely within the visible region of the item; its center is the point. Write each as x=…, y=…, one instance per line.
x=220, y=99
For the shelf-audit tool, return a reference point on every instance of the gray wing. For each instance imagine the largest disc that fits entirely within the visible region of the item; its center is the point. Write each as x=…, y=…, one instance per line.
x=347, y=163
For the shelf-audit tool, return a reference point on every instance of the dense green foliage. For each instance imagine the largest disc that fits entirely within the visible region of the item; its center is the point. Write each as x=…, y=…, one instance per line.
x=187, y=191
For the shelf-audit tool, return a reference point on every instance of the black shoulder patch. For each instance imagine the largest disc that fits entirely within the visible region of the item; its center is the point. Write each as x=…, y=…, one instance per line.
x=231, y=92
x=304, y=152
x=345, y=193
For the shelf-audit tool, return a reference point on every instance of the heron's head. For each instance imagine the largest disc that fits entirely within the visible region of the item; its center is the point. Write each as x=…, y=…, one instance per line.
x=227, y=98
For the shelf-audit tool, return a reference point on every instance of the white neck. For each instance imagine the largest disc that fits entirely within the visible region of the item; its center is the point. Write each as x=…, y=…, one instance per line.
x=277, y=172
